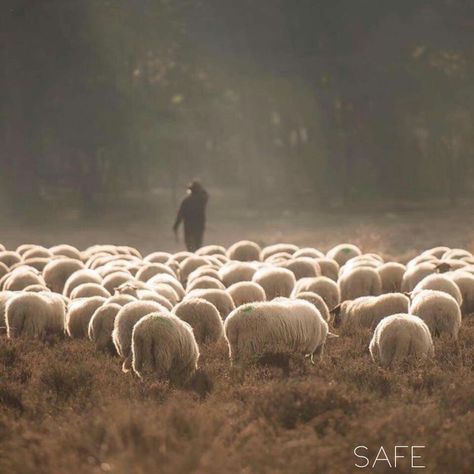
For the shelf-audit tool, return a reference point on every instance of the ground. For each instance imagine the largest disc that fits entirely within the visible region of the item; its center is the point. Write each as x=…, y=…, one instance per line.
x=66, y=408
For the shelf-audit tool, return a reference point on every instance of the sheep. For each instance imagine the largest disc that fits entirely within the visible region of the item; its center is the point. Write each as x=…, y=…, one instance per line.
x=205, y=270
x=317, y=301
x=303, y=267
x=414, y=262
x=65, y=250
x=439, y=310
x=180, y=257
x=436, y=252
x=233, y=272
x=167, y=291
x=415, y=274
x=115, y=279
x=126, y=318
x=37, y=288
x=219, y=298
x=308, y=252
x=121, y=300
x=127, y=250
x=456, y=254
x=322, y=286
x=270, y=250
x=21, y=249
x=244, y=251
x=170, y=281
x=439, y=283
x=203, y=317
x=244, y=292
x=151, y=269
x=359, y=281
x=4, y=297
x=9, y=258
x=211, y=250
x=400, y=337
x=275, y=281
x=368, y=311
x=149, y=295
x=79, y=313
x=37, y=252
x=276, y=329
x=86, y=290
x=164, y=346
x=343, y=252
x=329, y=268
x=391, y=274
x=79, y=277
x=35, y=315
x=361, y=261
x=3, y=270
x=279, y=258
x=190, y=264
x=465, y=283
x=101, y=326
x=56, y=272
x=157, y=257
x=205, y=282
x=21, y=278
x=36, y=263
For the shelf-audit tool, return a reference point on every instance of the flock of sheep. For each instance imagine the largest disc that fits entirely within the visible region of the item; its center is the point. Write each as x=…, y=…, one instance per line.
x=270, y=304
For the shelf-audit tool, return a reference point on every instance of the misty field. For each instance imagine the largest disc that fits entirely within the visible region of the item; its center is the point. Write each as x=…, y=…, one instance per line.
x=64, y=407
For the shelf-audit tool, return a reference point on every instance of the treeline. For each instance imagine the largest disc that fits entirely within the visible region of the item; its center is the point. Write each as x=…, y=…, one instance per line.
x=314, y=101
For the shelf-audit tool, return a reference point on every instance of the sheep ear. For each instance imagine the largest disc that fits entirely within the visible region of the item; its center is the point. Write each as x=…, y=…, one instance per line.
x=408, y=293
x=336, y=310
x=332, y=335
x=443, y=267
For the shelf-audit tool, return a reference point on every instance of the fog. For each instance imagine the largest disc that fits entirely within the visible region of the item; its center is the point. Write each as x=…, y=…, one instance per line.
x=116, y=105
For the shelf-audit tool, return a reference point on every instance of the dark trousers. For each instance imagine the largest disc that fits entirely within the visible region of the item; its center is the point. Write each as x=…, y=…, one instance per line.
x=193, y=238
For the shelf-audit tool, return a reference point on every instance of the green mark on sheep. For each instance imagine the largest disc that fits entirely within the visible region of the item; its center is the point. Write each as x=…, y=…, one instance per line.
x=346, y=250
x=163, y=320
x=248, y=309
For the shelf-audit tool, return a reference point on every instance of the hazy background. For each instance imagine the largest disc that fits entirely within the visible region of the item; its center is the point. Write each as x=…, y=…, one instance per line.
x=109, y=107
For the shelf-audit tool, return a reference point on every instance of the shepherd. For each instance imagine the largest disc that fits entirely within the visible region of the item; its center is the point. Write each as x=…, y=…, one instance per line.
x=192, y=212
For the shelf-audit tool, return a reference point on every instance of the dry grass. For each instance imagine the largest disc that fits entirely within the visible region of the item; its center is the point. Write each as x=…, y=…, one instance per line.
x=66, y=408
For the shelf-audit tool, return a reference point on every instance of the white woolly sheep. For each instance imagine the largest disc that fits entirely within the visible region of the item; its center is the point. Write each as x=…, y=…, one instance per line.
x=275, y=281
x=273, y=249
x=439, y=311
x=35, y=315
x=21, y=249
x=359, y=281
x=79, y=313
x=205, y=282
x=115, y=279
x=65, y=250
x=79, y=277
x=86, y=290
x=101, y=326
x=219, y=298
x=465, y=282
x=3, y=270
x=21, y=278
x=401, y=337
x=322, y=286
x=168, y=280
x=244, y=251
x=440, y=283
x=164, y=346
x=189, y=265
x=436, y=252
x=279, y=328
x=121, y=300
x=211, y=250
x=126, y=318
x=56, y=272
x=36, y=263
x=343, y=252
x=4, y=297
x=415, y=274
x=244, y=292
x=158, y=257
x=37, y=252
x=456, y=254
x=329, y=268
x=317, y=301
x=391, y=274
x=308, y=252
x=303, y=267
x=9, y=258
x=149, y=295
x=368, y=311
x=203, y=317
x=233, y=272
x=205, y=270
x=149, y=270
x=419, y=259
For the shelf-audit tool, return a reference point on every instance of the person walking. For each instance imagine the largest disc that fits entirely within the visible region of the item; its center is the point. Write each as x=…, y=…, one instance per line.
x=192, y=213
